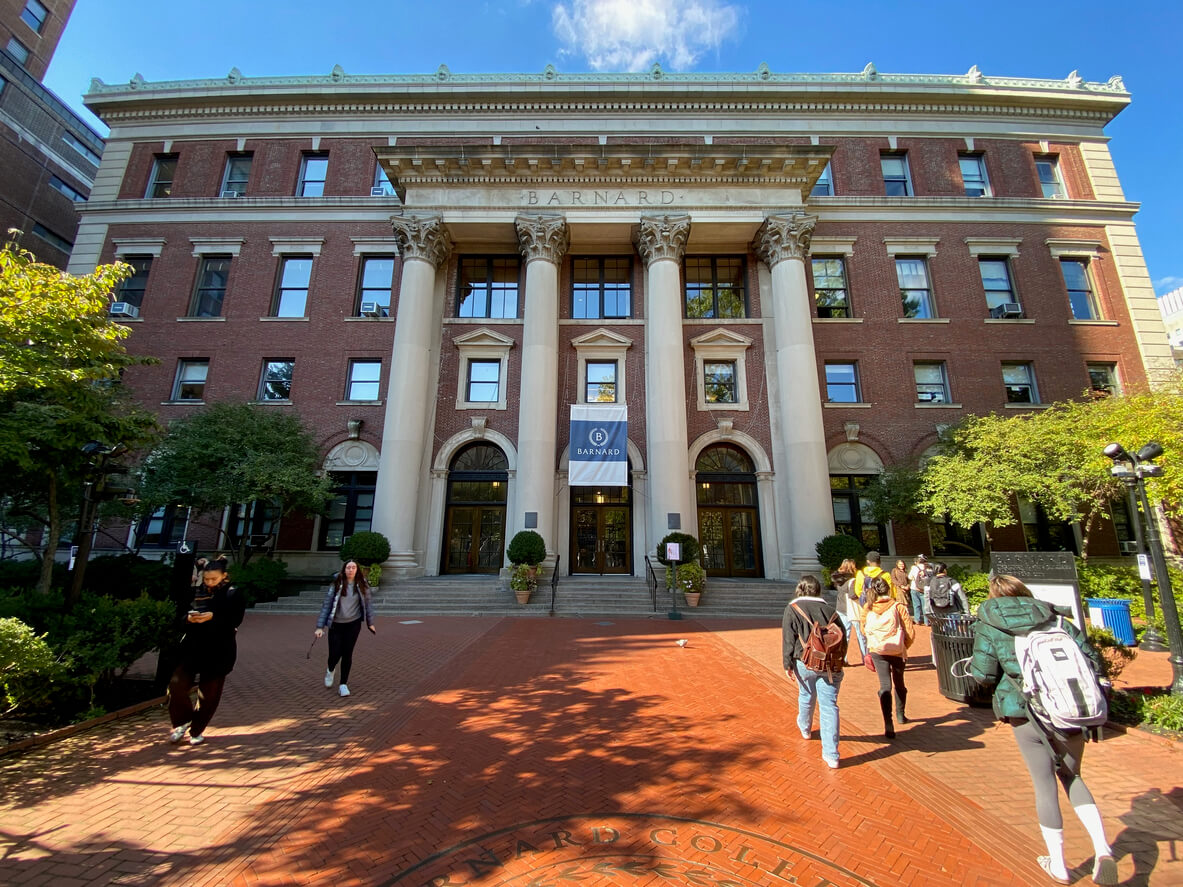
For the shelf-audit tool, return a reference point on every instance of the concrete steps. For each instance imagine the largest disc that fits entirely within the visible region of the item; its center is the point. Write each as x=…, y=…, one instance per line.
x=576, y=596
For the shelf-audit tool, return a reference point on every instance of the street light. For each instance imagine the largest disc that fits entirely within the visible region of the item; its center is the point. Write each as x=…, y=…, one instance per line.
x=1141, y=466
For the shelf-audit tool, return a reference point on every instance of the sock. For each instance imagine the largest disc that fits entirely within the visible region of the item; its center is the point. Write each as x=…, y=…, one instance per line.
x=1090, y=818
x=1054, y=838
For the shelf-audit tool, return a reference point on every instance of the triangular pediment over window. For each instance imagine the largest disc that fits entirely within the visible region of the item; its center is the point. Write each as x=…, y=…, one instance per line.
x=483, y=338
x=602, y=339
x=721, y=337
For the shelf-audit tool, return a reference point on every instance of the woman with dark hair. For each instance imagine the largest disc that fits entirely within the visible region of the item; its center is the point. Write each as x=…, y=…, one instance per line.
x=814, y=688
x=208, y=651
x=1049, y=753
x=346, y=604
x=847, y=601
x=889, y=631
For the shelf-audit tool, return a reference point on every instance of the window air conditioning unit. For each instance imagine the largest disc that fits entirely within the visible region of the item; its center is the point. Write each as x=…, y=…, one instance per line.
x=1007, y=309
x=371, y=309
x=378, y=191
x=231, y=194
x=1129, y=547
x=124, y=309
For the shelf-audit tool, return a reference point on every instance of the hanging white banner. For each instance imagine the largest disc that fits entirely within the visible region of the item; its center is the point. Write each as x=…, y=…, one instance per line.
x=599, y=445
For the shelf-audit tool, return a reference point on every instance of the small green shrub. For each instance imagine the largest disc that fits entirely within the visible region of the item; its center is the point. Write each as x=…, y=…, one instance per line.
x=127, y=576
x=28, y=666
x=1164, y=711
x=833, y=550
x=523, y=577
x=526, y=547
x=366, y=547
x=260, y=579
x=25, y=573
x=974, y=583
x=692, y=577
x=690, y=547
x=1127, y=708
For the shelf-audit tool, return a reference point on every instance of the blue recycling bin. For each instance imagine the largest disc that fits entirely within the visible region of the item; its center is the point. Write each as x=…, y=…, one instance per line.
x=1115, y=616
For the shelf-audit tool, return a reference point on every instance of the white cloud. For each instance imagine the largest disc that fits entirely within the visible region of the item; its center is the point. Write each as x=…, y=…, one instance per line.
x=1164, y=285
x=630, y=35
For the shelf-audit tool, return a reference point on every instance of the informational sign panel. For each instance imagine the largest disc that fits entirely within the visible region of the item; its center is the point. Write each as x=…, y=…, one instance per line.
x=1051, y=576
x=673, y=551
x=599, y=445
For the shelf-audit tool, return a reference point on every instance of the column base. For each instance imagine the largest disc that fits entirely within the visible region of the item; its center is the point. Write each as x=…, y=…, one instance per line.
x=404, y=565
x=805, y=563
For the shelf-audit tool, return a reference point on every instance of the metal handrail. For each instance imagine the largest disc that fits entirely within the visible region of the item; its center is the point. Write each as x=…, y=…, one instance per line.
x=652, y=580
x=554, y=583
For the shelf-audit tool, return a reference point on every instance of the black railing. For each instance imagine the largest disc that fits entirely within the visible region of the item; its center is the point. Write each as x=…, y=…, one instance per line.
x=554, y=583
x=652, y=580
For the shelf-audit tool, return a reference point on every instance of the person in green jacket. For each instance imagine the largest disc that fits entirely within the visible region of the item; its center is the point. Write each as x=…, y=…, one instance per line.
x=1011, y=609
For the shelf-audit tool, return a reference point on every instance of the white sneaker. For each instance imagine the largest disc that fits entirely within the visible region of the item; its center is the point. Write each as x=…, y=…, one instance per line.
x=343, y=690
x=329, y=677
x=178, y=733
x=196, y=740
x=832, y=763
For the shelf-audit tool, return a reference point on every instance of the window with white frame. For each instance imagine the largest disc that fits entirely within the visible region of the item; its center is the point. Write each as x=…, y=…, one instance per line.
x=932, y=382
x=842, y=382
x=829, y=286
x=1080, y=289
x=1103, y=379
x=1050, y=182
x=915, y=289
x=291, y=295
x=897, y=179
x=973, y=175
x=164, y=170
x=484, y=370
x=600, y=381
x=365, y=377
x=996, y=282
x=720, y=369
x=314, y=169
x=236, y=174
x=1019, y=380
x=824, y=186
x=276, y=382
x=34, y=15
x=374, y=283
x=189, y=384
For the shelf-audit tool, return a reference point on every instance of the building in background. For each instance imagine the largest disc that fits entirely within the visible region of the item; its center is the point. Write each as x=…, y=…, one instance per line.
x=48, y=155
x=1171, y=306
x=791, y=281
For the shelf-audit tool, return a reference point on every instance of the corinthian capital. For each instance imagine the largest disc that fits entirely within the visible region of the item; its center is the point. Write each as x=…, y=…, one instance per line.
x=422, y=237
x=662, y=237
x=784, y=237
x=542, y=237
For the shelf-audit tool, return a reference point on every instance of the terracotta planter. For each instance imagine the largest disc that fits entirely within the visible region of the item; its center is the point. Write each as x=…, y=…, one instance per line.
x=692, y=598
x=522, y=596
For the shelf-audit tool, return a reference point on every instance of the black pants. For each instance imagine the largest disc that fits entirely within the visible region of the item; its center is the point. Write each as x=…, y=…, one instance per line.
x=180, y=706
x=342, y=640
x=890, y=671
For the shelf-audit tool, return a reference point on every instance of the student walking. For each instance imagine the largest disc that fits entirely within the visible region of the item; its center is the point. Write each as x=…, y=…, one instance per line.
x=918, y=577
x=209, y=649
x=816, y=688
x=346, y=604
x=1049, y=753
x=847, y=601
x=944, y=595
x=889, y=631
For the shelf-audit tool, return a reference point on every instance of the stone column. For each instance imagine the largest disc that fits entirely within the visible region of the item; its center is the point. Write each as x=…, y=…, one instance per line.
x=543, y=241
x=661, y=241
x=424, y=244
x=783, y=243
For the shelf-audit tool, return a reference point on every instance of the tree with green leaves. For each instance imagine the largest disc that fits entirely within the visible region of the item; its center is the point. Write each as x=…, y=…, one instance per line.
x=236, y=454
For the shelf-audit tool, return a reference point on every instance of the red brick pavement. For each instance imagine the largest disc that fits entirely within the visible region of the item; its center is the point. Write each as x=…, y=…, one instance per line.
x=539, y=752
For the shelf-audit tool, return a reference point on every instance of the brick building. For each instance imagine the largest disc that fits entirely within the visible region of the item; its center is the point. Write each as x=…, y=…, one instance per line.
x=48, y=155
x=791, y=281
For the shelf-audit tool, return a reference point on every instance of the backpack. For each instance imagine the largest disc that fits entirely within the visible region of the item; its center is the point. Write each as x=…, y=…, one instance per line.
x=825, y=647
x=885, y=632
x=940, y=591
x=1059, y=683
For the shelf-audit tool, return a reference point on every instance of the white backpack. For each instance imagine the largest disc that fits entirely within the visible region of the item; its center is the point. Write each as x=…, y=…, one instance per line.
x=1059, y=682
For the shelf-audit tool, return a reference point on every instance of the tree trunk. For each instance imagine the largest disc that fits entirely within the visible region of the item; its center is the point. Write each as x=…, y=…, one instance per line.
x=53, y=533
x=987, y=546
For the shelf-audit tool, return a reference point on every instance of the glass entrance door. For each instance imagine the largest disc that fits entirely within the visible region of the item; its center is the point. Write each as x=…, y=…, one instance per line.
x=601, y=530
x=728, y=537
x=475, y=539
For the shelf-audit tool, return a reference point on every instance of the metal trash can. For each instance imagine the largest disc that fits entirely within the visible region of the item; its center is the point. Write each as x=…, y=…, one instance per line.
x=1113, y=615
x=952, y=640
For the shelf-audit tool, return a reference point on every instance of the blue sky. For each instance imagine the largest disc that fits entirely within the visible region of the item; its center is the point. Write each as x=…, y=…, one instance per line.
x=115, y=39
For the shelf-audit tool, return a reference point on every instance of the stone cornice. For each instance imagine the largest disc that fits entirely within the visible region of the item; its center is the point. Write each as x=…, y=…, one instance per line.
x=542, y=237
x=422, y=237
x=784, y=237
x=662, y=237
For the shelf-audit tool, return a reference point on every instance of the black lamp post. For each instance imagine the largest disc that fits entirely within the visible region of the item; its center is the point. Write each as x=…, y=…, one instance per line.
x=1142, y=466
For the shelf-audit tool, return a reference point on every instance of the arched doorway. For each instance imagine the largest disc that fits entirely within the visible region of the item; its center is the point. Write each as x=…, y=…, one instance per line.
x=728, y=512
x=478, y=480
x=601, y=530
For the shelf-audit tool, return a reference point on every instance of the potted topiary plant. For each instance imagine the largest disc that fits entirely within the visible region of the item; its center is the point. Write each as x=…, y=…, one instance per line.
x=369, y=549
x=692, y=579
x=526, y=551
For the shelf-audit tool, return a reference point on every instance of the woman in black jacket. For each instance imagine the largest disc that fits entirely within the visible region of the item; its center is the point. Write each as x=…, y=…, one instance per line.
x=208, y=651
x=1012, y=610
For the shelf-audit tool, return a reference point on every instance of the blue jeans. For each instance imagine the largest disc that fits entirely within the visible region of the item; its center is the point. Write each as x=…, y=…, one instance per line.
x=917, y=606
x=820, y=690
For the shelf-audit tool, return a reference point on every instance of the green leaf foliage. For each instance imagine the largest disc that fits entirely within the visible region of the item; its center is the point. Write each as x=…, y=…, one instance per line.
x=260, y=580
x=127, y=576
x=690, y=547
x=27, y=665
x=834, y=549
x=366, y=547
x=526, y=547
